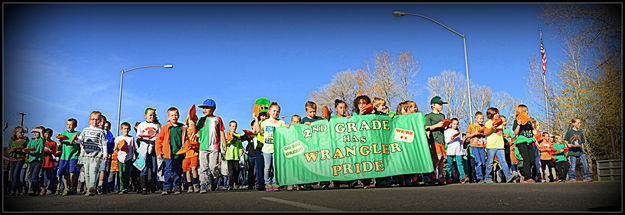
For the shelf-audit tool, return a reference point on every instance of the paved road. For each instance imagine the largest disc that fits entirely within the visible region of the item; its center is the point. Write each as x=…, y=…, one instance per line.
x=581, y=196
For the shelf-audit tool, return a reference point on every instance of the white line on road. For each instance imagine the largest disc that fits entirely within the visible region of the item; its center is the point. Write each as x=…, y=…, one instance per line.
x=300, y=205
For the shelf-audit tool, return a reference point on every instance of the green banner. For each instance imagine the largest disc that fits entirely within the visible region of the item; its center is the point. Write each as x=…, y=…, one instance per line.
x=343, y=149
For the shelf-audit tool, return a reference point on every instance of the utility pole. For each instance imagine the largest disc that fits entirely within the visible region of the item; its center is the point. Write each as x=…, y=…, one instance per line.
x=22, y=121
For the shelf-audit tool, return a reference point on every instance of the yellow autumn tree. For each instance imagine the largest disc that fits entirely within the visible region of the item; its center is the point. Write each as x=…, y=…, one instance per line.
x=590, y=79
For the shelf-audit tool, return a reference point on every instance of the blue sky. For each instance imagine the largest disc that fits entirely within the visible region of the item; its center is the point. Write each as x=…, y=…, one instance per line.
x=64, y=60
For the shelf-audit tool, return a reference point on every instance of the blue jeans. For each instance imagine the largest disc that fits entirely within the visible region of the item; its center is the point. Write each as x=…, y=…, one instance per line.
x=572, y=160
x=48, y=177
x=269, y=173
x=113, y=181
x=150, y=167
x=450, y=166
x=15, y=168
x=35, y=169
x=172, y=172
x=537, y=161
x=23, y=177
x=251, y=165
x=501, y=155
x=260, y=167
x=479, y=155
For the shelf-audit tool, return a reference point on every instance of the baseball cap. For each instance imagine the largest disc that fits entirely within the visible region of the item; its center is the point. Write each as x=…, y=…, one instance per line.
x=38, y=129
x=208, y=103
x=437, y=100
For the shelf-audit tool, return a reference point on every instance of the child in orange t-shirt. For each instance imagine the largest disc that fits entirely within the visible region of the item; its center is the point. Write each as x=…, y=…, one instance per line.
x=546, y=156
x=477, y=144
x=190, y=161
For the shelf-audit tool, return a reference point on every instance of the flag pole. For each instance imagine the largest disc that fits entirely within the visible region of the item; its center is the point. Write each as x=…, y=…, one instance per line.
x=544, y=67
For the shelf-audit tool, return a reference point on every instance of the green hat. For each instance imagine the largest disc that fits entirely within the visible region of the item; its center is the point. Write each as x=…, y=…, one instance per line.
x=147, y=109
x=437, y=100
x=264, y=102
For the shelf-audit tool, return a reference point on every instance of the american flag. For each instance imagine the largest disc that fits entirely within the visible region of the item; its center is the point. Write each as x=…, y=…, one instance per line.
x=543, y=54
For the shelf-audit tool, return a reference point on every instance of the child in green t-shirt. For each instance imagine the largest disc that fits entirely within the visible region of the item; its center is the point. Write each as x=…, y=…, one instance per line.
x=16, y=159
x=68, y=162
x=576, y=142
x=35, y=157
x=234, y=150
x=560, y=155
x=168, y=142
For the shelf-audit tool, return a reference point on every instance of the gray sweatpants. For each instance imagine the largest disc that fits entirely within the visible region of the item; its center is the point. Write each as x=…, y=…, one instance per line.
x=209, y=164
x=91, y=165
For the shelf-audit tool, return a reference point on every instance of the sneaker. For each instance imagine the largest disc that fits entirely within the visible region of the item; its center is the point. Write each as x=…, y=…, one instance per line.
x=43, y=192
x=268, y=187
x=65, y=192
x=588, y=179
x=449, y=181
x=353, y=184
x=464, y=180
x=203, y=189
x=190, y=189
x=165, y=192
x=488, y=181
x=572, y=180
x=144, y=192
x=176, y=191
x=196, y=188
x=512, y=178
x=289, y=187
x=92, y=190
x=99, y=190
x=366, y=187
x=308, y=187
x=276, y=187
x=530, y=181
x=440, y=181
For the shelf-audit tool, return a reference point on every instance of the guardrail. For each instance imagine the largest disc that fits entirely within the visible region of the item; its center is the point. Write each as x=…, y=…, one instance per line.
x=609, y=170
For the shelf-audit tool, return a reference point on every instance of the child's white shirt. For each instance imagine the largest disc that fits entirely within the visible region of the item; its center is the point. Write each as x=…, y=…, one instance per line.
x=454, y=146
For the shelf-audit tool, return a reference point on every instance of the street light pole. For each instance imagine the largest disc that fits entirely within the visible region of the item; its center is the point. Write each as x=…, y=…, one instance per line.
x=22, y=121
x=464, y=40
x=121, y=82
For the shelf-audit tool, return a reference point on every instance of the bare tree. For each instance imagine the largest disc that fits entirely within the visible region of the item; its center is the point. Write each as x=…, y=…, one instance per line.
x=481, y=97
x=342, y=86
x=450, y=86
x=407, y=69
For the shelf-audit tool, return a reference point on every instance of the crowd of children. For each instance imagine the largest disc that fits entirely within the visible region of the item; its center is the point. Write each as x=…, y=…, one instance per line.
x=199, y=155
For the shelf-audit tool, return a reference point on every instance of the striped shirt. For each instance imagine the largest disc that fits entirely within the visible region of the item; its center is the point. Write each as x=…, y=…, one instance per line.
x=93, y=141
